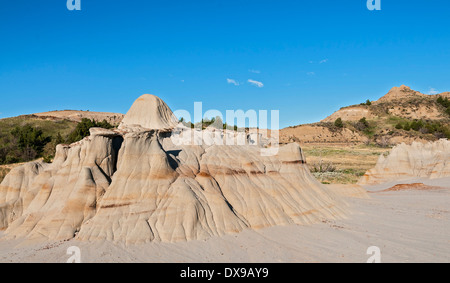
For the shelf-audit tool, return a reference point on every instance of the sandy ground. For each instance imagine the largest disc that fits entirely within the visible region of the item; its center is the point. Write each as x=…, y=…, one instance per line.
x=407, y=226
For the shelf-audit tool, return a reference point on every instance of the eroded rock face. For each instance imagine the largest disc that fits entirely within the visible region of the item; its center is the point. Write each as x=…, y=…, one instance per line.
x=418, y=160
x=137, y=185
x=63, y=195
x=15, y=193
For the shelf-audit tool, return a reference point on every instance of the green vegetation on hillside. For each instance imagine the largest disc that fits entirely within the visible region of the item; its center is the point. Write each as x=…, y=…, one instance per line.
x=338, y=123
x=27, y=138
x=397, y=119
x=444, y=102
x=215, y=122
x=438, y=129
x=365, y=127
x=29, y=142
x=368, y=103
x=82, y=129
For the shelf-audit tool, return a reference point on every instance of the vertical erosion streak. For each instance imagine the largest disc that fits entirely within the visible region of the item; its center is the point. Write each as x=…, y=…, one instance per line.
x=116, y=146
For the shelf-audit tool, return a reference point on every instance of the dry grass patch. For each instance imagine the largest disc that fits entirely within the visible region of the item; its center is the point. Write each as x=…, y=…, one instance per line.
x=348, y=162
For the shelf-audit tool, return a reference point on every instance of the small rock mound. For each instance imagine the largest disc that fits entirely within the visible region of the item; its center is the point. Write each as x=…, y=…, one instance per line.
x=418, y=160
x=412, y=187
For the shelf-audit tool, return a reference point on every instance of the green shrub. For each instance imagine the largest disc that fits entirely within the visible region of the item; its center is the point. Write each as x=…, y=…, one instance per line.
x=322, y=167
x=29, y=138
x=26, y=138
x=407, y=127
x=48, y=158
x=338, y=123
x=59, y=139
x=443, y=101
x=9, y=159
x=21, y=144
x=362, y=124
x=103, y=124
x=82, y=129
x=399, y=126
x=438, y=129
x=416, y=125
x=368, y=103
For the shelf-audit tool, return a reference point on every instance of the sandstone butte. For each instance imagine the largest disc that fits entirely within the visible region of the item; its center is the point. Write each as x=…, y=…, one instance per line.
x=134, y=185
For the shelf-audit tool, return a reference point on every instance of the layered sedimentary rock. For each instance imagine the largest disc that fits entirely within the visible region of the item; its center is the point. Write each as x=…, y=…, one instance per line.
x=63, y=195
x=137, y=185
x=14, y=192
x=418, y=160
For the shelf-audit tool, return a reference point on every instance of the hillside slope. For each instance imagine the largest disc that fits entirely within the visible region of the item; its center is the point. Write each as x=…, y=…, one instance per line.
x=402, y=115
x=77, y=116
x=399, y=101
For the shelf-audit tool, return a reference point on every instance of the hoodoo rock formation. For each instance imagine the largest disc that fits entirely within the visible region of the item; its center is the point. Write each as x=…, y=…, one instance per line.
x=135, y=184
x=418, y=160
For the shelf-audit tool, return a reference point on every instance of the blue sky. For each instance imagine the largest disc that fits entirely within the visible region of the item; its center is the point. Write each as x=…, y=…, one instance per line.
x=305, y=58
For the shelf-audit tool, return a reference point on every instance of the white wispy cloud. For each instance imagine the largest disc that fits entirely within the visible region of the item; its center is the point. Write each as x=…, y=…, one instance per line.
x=318, y=62
x=256, y=83
x=255, y=71
x=433, y=91
x=231, y=81
x=311, y=73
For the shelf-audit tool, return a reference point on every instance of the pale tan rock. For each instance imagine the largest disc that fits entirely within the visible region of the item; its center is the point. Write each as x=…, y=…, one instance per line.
x=157, y=196
x=65, y=194
x=150, y=112
x=137, y=185
x=418, y=160
x=15, y=191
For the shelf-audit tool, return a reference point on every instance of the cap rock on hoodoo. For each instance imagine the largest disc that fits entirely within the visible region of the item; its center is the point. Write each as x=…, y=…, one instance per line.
x=150, y=112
